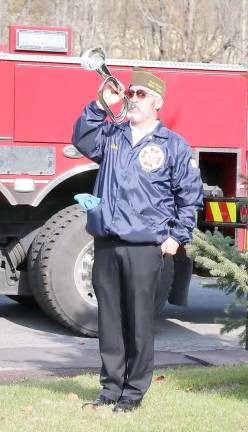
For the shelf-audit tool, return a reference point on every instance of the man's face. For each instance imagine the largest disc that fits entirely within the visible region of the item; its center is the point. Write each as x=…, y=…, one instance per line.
x=143, y=104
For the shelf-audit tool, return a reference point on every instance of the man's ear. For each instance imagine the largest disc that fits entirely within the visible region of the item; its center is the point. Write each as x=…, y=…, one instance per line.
x=158, y=104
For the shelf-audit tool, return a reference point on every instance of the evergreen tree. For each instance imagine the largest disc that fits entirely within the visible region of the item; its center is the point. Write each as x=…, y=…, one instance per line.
x=220, y=256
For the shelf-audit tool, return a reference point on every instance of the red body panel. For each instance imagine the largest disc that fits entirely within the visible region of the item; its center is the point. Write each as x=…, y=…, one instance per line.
x=7, y=100
x=208, y=108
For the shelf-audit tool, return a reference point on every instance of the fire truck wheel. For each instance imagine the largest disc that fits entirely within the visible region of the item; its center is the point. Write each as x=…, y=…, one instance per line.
x=45, y=231
x=63, y=263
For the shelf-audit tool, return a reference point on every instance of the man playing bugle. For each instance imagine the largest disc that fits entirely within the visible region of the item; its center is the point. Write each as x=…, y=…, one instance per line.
x=150, y=188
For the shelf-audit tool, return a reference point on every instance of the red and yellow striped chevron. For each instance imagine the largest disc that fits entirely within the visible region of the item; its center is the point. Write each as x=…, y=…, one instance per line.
x=222, y=211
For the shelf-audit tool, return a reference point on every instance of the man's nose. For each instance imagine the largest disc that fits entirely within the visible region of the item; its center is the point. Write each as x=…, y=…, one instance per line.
x=135, y=98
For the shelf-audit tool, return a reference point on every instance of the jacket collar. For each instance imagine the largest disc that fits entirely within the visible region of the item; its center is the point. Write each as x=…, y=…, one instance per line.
x=161, y=131
x=126, y=130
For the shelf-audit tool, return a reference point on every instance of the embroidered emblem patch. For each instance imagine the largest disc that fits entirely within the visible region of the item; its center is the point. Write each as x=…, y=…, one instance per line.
x=151, y=157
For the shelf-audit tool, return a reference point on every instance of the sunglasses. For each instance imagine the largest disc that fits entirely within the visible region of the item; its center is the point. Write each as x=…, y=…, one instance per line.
x=141, y=94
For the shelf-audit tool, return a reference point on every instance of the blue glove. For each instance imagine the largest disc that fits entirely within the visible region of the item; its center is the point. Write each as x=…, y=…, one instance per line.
x=87, y=201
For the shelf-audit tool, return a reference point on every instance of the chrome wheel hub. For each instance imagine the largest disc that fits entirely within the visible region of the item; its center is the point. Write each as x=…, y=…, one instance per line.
x=83, y=274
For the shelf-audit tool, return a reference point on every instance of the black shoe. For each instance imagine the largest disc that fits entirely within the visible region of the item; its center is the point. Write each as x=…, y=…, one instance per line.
x=126, y=404
x=100, y=401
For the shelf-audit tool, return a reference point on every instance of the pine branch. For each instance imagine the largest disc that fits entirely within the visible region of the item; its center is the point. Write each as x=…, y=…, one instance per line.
x=220, y=256
x=214, y=259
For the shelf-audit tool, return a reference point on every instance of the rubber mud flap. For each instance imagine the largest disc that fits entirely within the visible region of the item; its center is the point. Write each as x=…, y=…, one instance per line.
x=183, y=266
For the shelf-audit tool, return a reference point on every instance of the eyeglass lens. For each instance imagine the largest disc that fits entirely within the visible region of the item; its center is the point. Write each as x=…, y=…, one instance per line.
x=141, y=94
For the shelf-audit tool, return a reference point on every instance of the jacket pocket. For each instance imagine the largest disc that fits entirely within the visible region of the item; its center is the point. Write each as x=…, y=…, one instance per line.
x=94, y=225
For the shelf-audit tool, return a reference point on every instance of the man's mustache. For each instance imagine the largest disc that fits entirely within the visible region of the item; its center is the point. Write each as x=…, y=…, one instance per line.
x=132, y=107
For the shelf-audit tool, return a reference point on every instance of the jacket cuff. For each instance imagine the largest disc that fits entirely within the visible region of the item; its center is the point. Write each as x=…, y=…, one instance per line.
x=176, y=239
x=180, y=233
x=97, y=110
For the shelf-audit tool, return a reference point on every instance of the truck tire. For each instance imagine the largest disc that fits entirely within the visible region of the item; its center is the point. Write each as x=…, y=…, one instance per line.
x=61, y=261
x=45, y=231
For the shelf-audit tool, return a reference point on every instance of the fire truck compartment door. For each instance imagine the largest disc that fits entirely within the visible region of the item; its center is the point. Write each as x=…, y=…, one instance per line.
x=48, y=100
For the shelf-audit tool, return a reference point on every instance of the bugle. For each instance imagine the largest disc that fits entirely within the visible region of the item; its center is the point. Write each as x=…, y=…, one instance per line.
x=94, y=59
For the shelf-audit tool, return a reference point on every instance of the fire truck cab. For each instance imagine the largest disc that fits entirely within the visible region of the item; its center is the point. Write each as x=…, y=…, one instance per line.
x=45, y=252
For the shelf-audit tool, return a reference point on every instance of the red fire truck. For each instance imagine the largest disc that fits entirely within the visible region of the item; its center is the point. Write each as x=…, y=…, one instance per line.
x=45, y=252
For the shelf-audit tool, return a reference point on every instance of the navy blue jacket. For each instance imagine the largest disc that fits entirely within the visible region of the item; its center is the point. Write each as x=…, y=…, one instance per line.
x=148, y=192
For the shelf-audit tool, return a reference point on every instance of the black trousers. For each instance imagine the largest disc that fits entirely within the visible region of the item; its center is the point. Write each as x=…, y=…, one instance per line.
x=125, y=278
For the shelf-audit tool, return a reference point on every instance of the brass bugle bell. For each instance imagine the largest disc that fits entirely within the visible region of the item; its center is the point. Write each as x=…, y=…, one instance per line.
x=94, y=59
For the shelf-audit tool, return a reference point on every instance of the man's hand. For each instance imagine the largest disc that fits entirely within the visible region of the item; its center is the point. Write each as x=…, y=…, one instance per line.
x=169, y=246
x=110, y=96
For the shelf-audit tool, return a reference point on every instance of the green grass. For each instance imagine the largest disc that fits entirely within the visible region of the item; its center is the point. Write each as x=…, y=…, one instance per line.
x=187, y=400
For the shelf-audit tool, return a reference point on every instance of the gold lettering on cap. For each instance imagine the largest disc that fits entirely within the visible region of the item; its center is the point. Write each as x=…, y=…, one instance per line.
x=155, y=86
